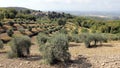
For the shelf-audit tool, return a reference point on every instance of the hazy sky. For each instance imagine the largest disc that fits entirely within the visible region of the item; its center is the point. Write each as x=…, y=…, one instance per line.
x=68, y=5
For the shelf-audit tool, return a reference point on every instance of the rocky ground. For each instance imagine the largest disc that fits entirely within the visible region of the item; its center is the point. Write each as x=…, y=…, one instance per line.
x=104, y=56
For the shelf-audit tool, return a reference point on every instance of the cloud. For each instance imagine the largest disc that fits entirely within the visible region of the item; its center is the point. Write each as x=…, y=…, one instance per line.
x=87, y=5
x=68, y=1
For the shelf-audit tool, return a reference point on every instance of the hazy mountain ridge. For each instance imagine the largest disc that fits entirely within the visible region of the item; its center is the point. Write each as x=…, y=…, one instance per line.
x=93, y=14
x=17, y=8
x=104, y=15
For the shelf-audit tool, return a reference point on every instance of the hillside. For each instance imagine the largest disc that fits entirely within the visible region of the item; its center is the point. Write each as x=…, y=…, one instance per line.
x=17, y=8
x=38, y=39
x=100, y=15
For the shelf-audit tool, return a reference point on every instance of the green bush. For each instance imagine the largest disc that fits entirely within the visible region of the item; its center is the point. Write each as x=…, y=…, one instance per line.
x=118, y=36
x=61, y=22
x=84, y=30
x=12, y=54
x=88, y=38
x=87, y=43
x=50, y=31
x=11, y=23
x=20, y=47
x=1, y=44
x=93, y=31
x=42, y=38
x=1, y=24
x=30, y=28
x=75, y=31
x=10, y=32
x=22, y=30
x=56, y=50
x=113, y=37
x=74, y=38
x=83, y=36
x=64, y=31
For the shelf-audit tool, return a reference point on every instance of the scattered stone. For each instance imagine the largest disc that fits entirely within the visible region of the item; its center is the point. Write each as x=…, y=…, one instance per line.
x=39, y=67
x=97, y=61
x=103, y=64
x=20, y=64
x=116, y=63
x=27, y=62
x=1, y=65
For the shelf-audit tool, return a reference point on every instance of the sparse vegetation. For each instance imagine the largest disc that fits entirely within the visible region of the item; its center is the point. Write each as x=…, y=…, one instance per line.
x=30, y=28
x=1, y=24
x=75, y=31
x=56, y=49
x=11, y=23
x=20, y=47
x=75, y=38
x=42, y=38
x=1, y=44
x=64, y=31
x=22, y=30
x=84, y=30
x=61, y=22
x=88, y=38
x=10, y=32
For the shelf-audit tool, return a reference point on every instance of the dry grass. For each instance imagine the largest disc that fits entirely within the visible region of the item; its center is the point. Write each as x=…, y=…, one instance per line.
x=104, y=49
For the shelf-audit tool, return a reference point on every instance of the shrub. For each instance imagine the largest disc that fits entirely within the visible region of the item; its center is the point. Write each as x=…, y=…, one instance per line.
x=118, y=36
x=20, y=46
x=61, y=22
x=93, y=31
x=84, y=30
x=74, y=38
x=30, y=28
x=46, y=32
x=60, y=47
x=12, y=54
x=10, y=32
x=1, y=24
x=64, y=31
x=87, y=43
x=88, y=38
x=113, y=37
x=42, y=38
x=50, y=31
x=56, y=49
x=22, y=30
x=11, y=23
x=75, y=31
x=1, y=44
x=99, y=38
x=83, y=36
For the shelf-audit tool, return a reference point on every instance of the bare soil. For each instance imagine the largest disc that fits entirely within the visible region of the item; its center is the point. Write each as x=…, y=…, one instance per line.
x=106, y=55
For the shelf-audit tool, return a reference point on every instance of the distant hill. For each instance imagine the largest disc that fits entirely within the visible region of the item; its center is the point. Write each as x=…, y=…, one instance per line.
x=92, y=14
x=18, y=8
x=95, y=14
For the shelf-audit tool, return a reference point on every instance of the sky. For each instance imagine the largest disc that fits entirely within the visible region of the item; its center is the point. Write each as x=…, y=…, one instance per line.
x=64, y=5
